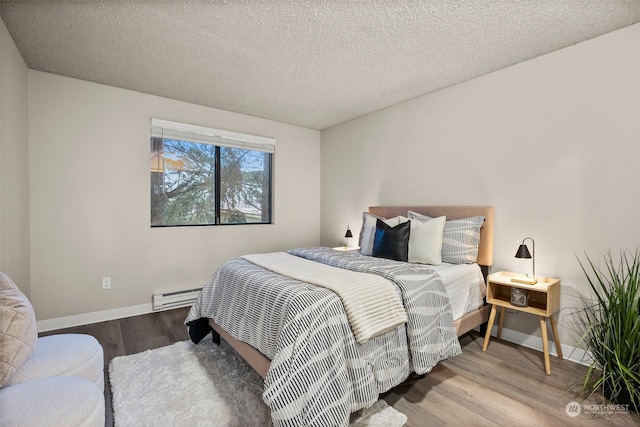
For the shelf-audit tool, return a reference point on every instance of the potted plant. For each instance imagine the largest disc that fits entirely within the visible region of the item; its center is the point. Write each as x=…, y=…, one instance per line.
x=609, y=327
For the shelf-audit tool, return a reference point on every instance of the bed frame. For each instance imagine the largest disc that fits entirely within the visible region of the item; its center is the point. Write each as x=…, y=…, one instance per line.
x=261, y=363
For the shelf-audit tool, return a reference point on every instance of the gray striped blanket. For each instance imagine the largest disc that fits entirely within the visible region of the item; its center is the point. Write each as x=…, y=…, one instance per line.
x=319, y=374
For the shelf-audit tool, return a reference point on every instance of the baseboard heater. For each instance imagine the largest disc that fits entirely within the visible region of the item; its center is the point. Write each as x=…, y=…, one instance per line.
x=174, y=299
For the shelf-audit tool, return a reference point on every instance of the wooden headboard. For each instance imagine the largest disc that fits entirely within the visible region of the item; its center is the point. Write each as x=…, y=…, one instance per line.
x=485, y=250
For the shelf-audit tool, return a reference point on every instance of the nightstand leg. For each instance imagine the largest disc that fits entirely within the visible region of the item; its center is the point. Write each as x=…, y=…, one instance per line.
x=554, y=328
x=545, y=345
x=487, y=336
x=501, y=321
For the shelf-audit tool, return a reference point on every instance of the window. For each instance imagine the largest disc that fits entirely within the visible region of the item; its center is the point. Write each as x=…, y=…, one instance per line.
x=205, y=176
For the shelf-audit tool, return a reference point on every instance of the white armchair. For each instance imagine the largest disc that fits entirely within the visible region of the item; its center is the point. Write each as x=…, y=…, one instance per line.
x=56, y=380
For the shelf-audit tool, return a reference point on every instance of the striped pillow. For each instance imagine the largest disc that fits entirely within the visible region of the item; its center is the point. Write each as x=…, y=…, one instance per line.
x=460, y=239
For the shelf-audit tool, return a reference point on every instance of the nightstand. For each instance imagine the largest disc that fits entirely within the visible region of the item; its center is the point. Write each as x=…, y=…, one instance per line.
x=544, y=301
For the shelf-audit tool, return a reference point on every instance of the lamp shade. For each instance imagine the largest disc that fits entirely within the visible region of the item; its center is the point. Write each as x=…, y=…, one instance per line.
x=348, y=233
x=523, y=252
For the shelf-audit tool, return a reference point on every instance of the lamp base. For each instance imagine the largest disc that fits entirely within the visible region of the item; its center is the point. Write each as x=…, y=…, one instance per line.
x=527, y=280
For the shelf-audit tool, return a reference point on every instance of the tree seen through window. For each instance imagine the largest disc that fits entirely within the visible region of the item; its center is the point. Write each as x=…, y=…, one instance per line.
x=195, y=183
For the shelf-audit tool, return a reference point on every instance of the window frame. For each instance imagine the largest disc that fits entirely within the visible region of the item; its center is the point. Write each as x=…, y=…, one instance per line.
x=168, y=130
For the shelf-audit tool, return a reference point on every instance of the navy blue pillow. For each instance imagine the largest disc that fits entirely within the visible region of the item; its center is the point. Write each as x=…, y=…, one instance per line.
x=391, y=242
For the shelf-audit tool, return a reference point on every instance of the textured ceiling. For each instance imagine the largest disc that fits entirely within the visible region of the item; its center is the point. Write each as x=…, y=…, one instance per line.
x=309, y=63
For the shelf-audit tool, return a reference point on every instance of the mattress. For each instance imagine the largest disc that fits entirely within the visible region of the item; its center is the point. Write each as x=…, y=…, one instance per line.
x=465, y=287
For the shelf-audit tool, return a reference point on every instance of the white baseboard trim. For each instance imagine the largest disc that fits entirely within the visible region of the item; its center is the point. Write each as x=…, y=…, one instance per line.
x=93, y=317
x=573, y=354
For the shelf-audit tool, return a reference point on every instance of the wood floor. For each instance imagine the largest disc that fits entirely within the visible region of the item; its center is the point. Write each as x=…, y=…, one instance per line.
x=506, y=386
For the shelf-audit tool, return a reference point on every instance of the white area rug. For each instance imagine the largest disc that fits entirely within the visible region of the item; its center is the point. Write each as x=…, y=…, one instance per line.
x=202, y=385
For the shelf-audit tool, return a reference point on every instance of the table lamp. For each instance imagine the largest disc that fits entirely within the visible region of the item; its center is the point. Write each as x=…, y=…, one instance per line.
x=348, y=235
x=523, y=252
x=520, y=297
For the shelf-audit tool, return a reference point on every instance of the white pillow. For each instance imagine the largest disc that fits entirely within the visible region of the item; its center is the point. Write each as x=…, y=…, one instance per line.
x=460, y=240
x=368, y=230
x=425, y=241
x=18, y=330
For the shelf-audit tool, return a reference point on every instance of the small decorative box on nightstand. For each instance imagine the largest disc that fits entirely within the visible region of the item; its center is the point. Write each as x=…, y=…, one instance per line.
x=543, y=301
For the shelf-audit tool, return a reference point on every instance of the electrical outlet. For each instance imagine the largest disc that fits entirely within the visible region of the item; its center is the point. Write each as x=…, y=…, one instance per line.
x=106, y=283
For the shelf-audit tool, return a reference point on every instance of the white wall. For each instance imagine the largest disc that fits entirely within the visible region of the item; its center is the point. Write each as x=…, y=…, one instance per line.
x=90, y=186
x=14, y=164
x=552, y=143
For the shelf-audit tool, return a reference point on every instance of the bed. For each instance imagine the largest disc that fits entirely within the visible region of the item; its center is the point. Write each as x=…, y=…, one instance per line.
x=296, y=335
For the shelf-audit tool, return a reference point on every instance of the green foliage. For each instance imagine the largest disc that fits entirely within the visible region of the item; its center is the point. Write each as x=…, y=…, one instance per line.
x=609, y=324
x=184, y=191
